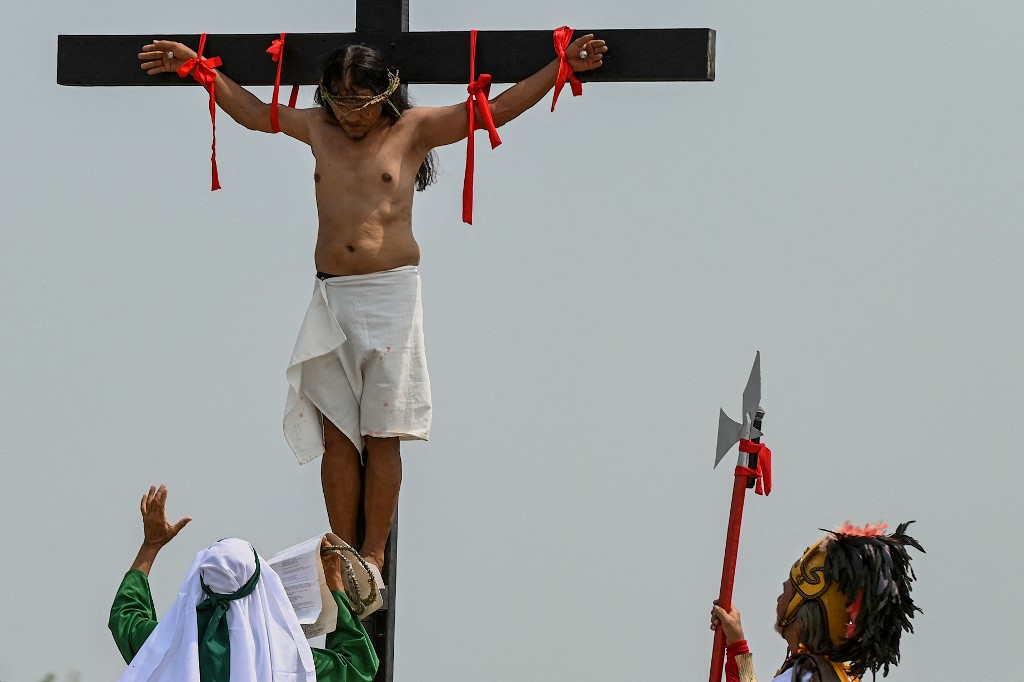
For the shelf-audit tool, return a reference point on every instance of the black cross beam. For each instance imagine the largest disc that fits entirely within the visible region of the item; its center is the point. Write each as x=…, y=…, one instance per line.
x=665, y=54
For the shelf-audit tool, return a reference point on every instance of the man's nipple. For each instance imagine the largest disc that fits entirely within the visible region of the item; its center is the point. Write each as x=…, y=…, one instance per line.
x=316, y=177
x=386, y=177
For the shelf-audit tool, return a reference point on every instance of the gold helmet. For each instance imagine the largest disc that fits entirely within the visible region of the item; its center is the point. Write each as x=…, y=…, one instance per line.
x=812, y=583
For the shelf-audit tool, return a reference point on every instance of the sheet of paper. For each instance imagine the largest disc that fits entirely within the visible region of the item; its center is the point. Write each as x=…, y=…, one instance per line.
x=328, y=620
x=300, y=573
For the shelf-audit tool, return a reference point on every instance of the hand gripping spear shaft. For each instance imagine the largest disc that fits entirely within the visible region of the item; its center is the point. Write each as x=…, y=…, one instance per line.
x=749, y=468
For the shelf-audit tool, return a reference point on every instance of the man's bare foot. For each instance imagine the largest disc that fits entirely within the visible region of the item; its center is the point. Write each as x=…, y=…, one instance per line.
x=375, y=559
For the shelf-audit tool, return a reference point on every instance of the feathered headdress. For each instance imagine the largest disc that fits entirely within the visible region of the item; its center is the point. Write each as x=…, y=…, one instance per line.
x=862, y=578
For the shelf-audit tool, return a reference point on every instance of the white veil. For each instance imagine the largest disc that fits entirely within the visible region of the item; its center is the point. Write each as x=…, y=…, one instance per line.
x=267, y=643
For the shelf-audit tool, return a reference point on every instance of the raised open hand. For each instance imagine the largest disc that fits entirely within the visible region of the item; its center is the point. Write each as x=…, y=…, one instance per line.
x=164, y=56
x=586, y=53
x=156, y=531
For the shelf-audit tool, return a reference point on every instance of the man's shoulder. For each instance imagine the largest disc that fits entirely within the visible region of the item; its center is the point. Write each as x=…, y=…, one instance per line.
x=421, y=113
x=413, y=115
x=317, y=116
x=322, y=125
x=409, y=123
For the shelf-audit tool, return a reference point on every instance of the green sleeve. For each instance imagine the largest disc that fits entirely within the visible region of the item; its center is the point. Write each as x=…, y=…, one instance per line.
x=349, y=656
x=132, y=616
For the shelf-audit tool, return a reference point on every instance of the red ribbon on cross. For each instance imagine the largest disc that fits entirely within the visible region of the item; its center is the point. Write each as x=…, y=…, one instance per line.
x=479, y=89
x=763, y=472
x=563, y=38
x=276, y=52
x=202, y=69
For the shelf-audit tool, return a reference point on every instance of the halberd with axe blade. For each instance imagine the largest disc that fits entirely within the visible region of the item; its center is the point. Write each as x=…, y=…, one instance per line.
x=753, y=466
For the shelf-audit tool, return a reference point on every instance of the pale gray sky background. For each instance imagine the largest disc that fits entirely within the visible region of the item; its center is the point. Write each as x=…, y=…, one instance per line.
x=845, y=198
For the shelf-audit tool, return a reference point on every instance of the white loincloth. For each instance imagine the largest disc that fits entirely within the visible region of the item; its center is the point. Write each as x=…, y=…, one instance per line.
x=359, y=362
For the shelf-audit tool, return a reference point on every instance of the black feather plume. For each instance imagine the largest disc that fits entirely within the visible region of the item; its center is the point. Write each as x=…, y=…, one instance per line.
x=877, y=567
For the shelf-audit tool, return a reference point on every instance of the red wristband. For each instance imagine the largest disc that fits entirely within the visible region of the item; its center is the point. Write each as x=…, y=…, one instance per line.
x=563, y=38
x=737, y=648
x=202, y=69
x=732, y=671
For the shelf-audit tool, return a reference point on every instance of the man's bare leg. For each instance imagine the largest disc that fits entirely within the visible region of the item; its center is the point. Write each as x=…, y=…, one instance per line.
x=383, y=480
x=341, y=475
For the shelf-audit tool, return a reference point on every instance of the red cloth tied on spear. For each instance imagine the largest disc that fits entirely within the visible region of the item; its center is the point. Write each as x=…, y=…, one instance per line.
x=202, y=69
x=276, y=52
x=763, y=472
x=563, y=38
x=479, y=89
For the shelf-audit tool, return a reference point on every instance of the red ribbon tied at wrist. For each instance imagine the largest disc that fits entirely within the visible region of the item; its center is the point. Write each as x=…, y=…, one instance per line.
x=202, y=69
x=563, y=38
x=276, y=52
x=479, y=89
x=732, y=670
x=763, y=472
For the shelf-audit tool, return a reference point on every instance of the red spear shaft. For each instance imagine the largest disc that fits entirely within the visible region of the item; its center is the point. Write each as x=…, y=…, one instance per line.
x=732, y=546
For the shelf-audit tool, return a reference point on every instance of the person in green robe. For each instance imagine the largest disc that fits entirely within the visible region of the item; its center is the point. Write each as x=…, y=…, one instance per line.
x=232, y=619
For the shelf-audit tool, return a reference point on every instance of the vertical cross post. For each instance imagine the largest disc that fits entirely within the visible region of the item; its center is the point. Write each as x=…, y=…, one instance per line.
x=380, y=626
x=382, y=15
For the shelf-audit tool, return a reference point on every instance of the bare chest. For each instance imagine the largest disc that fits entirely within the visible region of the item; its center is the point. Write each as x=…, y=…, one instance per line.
x=370, y=166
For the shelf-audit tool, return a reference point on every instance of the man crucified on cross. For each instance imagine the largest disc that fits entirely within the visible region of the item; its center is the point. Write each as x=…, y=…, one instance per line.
x=358, y=376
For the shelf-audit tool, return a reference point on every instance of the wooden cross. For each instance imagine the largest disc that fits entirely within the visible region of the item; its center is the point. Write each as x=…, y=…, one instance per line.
x=669, y=54
x=666, y=54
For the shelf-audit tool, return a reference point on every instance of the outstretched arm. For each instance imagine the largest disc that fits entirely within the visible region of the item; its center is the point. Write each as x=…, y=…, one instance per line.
x=132, y=615
x=166, y=56
x=444, y=125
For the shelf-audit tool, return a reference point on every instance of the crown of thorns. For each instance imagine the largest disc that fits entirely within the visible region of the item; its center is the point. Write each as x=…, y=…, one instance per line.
x=363, y=101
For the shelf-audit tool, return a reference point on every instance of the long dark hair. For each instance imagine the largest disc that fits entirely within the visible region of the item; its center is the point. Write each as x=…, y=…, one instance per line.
x=359, y=66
